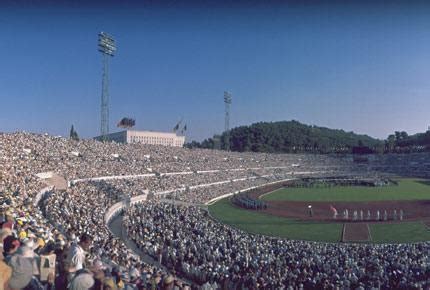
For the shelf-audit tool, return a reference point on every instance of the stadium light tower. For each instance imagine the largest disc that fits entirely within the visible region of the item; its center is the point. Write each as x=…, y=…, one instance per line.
x=107, y=47
x=227, y=102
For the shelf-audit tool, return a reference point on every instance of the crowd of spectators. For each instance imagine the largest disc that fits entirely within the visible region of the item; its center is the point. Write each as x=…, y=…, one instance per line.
x=69, y=262
x=185, y=239
x=89, y=158
x=56, y=225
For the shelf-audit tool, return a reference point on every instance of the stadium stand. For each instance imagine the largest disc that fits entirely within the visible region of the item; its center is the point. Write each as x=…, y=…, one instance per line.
x=54, y=238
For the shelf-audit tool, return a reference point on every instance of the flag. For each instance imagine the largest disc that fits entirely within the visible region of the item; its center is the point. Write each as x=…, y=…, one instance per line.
x=185, y=128
x=176, y=128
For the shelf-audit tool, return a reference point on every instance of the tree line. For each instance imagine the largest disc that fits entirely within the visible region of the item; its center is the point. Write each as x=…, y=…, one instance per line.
x=401, y=142
x=295, y=137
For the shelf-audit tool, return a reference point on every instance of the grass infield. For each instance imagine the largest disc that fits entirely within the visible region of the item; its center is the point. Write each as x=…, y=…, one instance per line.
x=408, y=189
x=401, y=233
x=260, y=223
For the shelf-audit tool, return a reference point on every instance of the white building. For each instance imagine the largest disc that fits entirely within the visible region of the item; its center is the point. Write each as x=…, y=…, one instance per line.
x=146, y=137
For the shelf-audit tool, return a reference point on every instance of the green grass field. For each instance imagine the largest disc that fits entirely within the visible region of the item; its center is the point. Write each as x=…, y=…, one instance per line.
x=408, y=189
x=260, y=223
x=400, y=233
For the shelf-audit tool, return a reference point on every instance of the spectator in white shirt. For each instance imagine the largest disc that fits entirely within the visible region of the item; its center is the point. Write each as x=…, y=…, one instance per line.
x=76, y=255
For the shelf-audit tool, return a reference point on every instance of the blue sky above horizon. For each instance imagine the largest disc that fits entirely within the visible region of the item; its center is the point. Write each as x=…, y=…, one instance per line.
x=358, y=67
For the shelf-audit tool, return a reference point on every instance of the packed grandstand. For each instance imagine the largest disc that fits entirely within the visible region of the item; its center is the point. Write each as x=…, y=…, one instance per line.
x=161, y=191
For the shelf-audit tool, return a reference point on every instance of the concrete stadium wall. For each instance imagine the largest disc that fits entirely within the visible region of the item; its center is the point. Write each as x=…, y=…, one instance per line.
x=212, y=201
x=117, y=208
x=132, y=176
x=41, y=194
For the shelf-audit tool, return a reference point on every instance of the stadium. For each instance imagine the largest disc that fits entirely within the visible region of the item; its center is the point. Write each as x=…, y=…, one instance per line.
x=146, y=210
x=280, y=145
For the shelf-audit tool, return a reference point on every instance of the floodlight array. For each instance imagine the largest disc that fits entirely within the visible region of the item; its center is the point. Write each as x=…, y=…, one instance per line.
x=227, y=98
x=106, y=44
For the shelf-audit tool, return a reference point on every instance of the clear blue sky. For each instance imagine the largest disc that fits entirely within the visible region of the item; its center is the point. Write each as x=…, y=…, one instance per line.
x=361, y=67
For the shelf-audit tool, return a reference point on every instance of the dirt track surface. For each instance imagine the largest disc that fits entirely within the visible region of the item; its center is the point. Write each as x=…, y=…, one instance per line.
x=412, y=210
x=356, y=232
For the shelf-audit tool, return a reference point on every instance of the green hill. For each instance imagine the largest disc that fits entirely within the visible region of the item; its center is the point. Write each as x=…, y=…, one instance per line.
x=289, y=137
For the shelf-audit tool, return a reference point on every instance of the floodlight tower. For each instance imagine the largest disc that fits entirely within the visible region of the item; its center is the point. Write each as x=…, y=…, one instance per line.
x=227, y=102
x=107, y=48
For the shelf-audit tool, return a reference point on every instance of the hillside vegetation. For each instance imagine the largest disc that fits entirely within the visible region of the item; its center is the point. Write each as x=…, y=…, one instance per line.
x=289, y=137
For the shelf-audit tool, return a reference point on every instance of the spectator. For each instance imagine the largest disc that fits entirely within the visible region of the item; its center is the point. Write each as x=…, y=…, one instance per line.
x=83, y=280
x=76, y=256
x=5, y=270
x=10, y=246
x=22, y=271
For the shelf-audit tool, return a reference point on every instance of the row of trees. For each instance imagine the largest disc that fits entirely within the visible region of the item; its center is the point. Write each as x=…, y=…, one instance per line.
x=73, y=134
x=402, y=142
x=295, y=137
x=288, y=137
